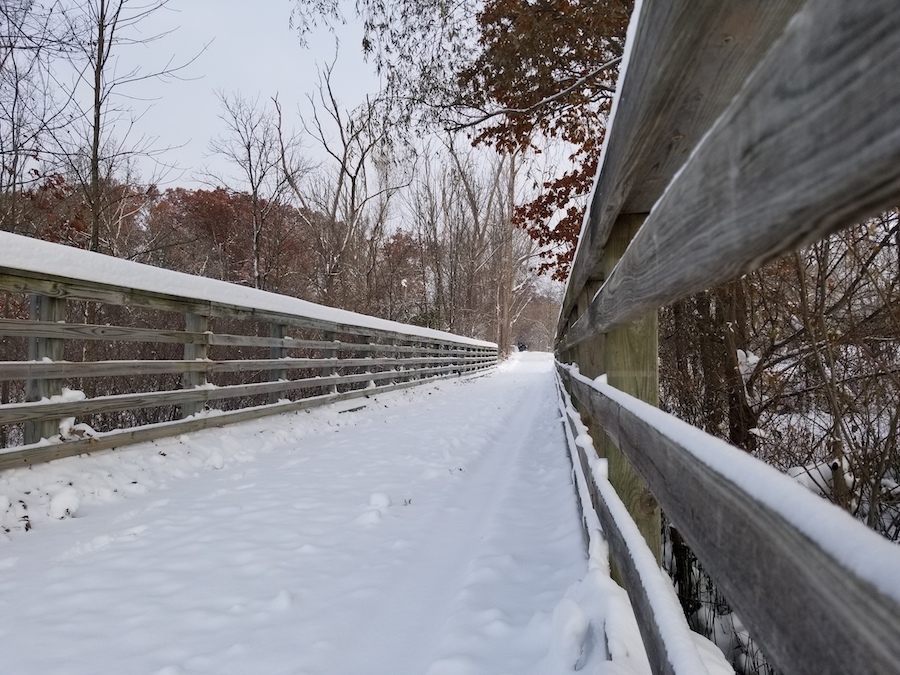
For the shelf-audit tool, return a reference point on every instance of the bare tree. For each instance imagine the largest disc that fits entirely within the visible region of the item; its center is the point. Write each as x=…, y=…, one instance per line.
x=346, y=198
x=252, y=147
x=477, y=262
x=31, y=36
x=101, y=139
x=799, y=364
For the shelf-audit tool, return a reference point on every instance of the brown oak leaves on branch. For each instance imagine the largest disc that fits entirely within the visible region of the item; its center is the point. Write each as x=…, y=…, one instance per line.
x=551, y=68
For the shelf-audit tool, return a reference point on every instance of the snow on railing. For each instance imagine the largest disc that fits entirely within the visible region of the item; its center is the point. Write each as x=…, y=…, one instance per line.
x=137, y=353
x=808, y=579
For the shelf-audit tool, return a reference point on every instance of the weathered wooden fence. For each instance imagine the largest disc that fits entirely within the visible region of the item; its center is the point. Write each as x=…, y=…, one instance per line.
x=181, y=344
x=741, y=131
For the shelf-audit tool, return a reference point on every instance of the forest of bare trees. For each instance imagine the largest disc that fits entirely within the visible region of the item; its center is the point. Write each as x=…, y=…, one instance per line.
x=796, y=363
x=415, y=234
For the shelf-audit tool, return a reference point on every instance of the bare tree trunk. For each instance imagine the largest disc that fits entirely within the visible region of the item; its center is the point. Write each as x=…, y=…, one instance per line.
x=99, y=66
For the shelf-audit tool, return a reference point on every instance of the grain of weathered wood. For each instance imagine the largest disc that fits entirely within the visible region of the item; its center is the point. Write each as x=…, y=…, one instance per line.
x=631, y=356
x=689, y=59
x=810, y=613
x=44, y=453
x=42, y=308
x=809, y=146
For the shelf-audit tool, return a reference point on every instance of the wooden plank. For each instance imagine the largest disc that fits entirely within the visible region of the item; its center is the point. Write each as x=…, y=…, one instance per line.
x=809, y=146
x=22, y=281
x=78, y=331
x=71, y=331
x=669, y=642
x=15, y=370
x=688, y=60
x=36, y=454
x=16, y=413
x=42, y=308
x=811, y=613
x=631, y=356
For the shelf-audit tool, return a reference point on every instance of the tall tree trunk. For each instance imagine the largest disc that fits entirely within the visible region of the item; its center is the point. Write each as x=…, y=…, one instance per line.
x=99, y=62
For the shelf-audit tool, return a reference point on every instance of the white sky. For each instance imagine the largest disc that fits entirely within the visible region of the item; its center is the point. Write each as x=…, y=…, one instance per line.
x=253, y=51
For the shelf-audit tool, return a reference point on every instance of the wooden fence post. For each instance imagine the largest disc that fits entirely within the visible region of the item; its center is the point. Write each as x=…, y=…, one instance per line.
x=328, y=336
x=43, y=308
x=277, y=331
x=194, y=323
x=590, y=357
x=369, y=353
x=631, y=356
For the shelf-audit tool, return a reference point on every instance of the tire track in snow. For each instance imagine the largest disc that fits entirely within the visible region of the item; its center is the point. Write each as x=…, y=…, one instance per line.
x=472, y=582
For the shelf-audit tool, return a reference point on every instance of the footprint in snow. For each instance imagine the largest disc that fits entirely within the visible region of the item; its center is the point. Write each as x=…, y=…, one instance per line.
x=378, y=504
x=369, y=518
x=101, y=542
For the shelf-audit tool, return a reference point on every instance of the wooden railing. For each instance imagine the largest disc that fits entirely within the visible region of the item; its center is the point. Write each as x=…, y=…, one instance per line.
x=741, y=131
x=118, y=344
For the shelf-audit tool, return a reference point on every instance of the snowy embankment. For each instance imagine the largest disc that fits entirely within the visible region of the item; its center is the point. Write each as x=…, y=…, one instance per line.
x=429, y=531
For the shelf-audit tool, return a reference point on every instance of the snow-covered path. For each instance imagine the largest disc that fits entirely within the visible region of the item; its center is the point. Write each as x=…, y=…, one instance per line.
x=434, y=531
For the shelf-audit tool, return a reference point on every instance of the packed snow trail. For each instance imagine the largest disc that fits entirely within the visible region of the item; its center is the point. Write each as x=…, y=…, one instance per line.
x=433, y=531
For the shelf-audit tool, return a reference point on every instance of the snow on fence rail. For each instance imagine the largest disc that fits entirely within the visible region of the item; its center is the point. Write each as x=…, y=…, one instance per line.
x=740, y=131
x=109, y=340
x=817, y=587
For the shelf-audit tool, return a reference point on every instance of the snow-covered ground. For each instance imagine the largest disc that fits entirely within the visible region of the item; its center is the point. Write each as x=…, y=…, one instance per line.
x=433, y=531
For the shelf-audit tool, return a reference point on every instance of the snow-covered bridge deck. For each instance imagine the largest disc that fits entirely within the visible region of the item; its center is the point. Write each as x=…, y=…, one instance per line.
x=433, y=530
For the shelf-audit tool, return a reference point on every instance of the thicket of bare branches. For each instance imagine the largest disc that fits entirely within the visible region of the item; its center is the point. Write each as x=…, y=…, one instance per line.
x=798, y=364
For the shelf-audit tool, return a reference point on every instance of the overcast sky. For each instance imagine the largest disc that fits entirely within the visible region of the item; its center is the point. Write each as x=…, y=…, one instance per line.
x=252, y=50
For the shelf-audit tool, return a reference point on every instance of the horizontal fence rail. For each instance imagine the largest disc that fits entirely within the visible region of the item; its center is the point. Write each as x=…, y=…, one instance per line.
x=724, y=212
x=670, y=644
x=791, y=563
x=741, y=131
x=666, y=104
x=90, y=363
